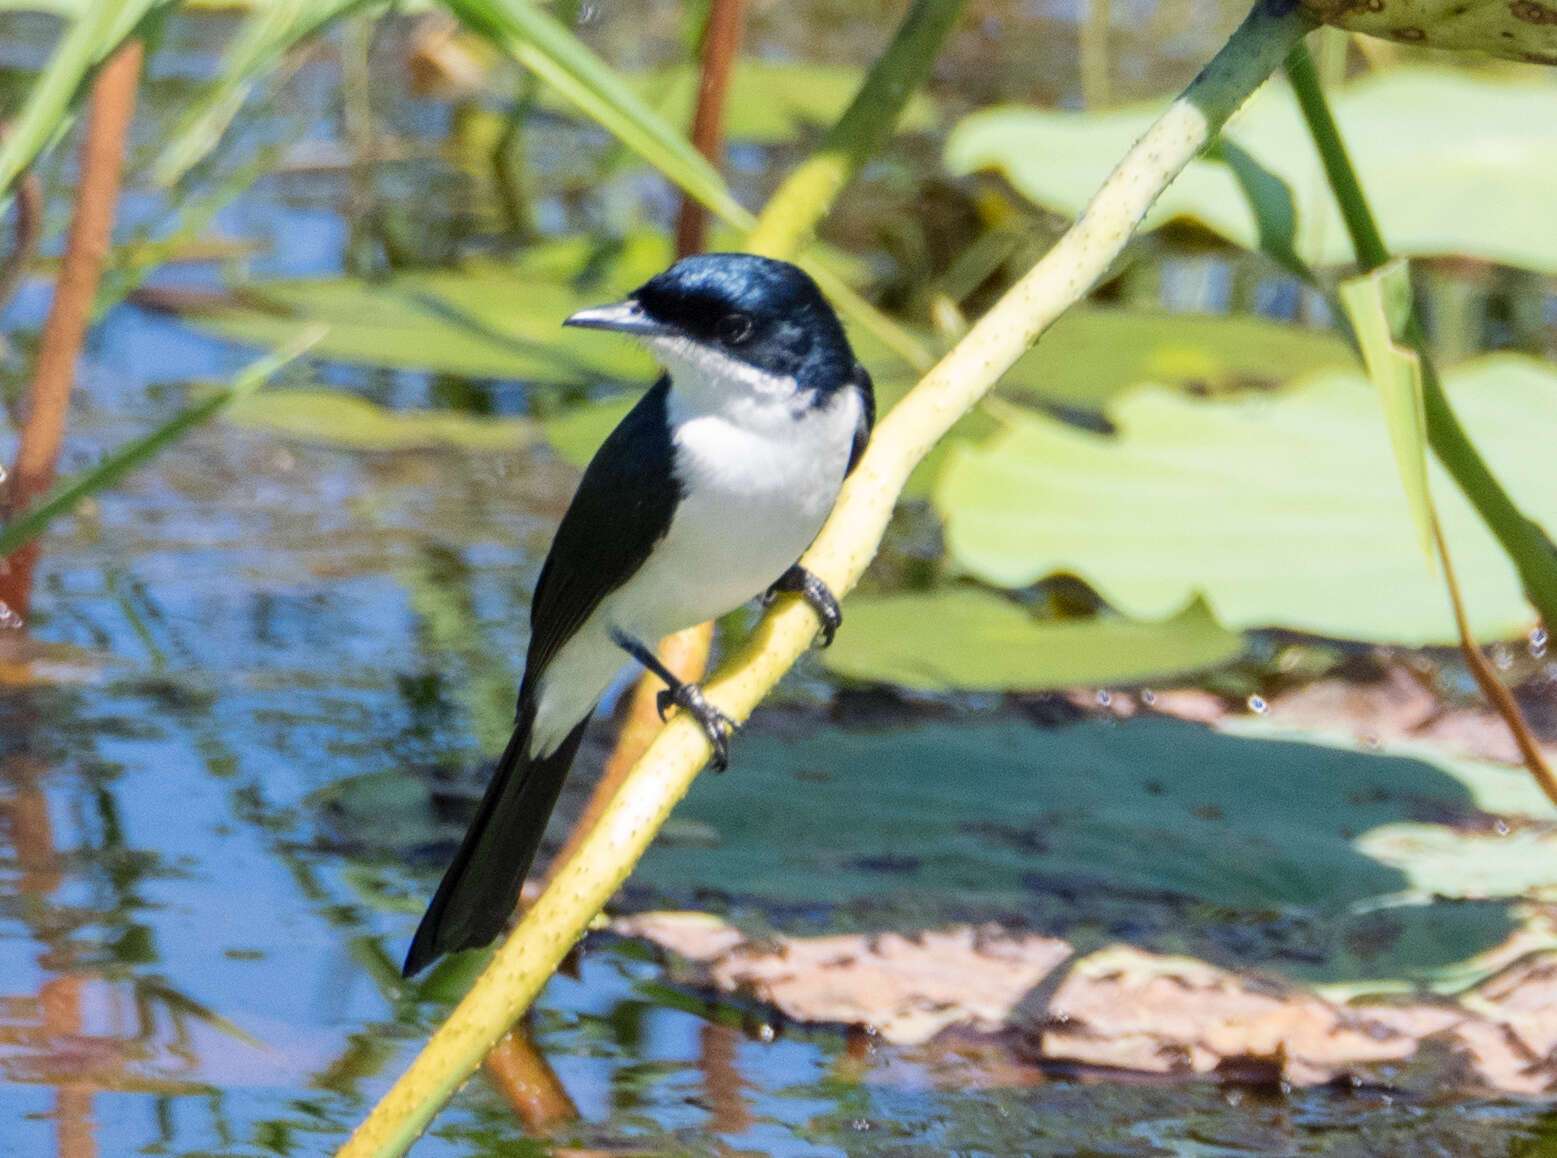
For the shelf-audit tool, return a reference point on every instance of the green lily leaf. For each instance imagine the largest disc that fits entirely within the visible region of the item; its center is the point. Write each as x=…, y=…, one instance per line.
x=1445, y=157
x=1280, y=510
x=1250, y=851
x=965, y=638
x=1522, y=30
x=1091, y=354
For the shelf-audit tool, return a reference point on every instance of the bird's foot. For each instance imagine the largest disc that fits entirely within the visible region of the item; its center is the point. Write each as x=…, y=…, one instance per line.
x=814, y=592
x=717, y=726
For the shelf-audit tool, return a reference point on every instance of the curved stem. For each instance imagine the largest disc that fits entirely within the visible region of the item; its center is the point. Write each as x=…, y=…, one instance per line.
x=524, y=963
x=1522, y=540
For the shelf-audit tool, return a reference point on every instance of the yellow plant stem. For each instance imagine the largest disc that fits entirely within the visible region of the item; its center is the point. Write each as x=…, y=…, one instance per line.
x=524, y=963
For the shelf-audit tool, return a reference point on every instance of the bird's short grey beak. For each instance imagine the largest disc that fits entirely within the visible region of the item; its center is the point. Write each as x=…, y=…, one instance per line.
x=627, y=317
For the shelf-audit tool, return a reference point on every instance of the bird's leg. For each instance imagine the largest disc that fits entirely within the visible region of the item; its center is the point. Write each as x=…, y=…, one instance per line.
x=688, y=696
x=814, y=592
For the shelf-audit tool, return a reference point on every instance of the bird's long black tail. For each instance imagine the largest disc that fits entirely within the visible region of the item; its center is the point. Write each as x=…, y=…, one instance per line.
x=481, y=887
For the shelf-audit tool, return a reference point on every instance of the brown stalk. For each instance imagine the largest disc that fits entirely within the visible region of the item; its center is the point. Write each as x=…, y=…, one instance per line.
x=721, y=45
x=724, y=1087
x=1501, y=699
x=521, y=1075
x=26, y=819
x=86, y=248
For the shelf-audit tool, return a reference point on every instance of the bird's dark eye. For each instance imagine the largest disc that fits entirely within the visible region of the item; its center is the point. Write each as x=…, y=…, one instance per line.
x=733, y=329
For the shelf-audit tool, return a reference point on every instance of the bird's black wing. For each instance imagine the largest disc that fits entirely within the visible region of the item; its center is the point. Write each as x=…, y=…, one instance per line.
x=862, y=383
x=623, y=507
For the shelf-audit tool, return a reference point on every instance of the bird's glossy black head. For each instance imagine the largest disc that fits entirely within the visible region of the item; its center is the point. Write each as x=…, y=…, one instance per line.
x=766, y=313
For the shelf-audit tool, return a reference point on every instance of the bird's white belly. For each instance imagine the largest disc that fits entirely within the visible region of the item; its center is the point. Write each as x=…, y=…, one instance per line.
x=754, y=496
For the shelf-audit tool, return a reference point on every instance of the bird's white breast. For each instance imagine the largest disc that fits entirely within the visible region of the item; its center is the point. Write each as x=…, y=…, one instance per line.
x=759, y=468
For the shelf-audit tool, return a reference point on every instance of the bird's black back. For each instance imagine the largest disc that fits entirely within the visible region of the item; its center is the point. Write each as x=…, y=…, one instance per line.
x=623, y=507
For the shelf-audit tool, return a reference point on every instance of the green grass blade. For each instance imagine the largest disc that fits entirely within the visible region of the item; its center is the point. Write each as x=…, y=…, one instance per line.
x=48, y=110
x=547, y=48
x=1379, y=305
x=71, y=491
x=269, y=33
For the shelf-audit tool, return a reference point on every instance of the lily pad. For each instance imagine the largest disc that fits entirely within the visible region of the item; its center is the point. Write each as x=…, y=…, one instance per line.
x=340, y=419
x=962, y=637
x=1453, y=162
x=1515, y=29
x=1181, y=839
x=1091, y=354
x=1280, y=510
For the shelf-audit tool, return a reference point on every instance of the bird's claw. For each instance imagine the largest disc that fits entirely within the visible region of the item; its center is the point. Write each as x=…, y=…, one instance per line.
x=717, y=726
x=800, y=581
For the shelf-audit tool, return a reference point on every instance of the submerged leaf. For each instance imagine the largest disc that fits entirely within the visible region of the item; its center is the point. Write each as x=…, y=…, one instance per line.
x=1453, y=162
x=1282, y=510
x=962, y=637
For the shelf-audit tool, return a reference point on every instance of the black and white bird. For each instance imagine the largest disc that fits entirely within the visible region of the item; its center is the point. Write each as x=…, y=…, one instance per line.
x=701, y=499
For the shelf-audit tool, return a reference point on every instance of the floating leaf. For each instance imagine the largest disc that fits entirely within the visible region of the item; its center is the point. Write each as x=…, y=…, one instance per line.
x=1516, y=29
x=1256, y=851
x=1091, y=354
x=1281, y=510
x=962, y=637
x=340, y=419
x=1453, y=162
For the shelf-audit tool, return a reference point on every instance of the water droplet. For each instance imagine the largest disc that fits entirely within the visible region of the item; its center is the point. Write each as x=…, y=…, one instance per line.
x=1538, y=638
x=765, y=1033
x=1502, y=656
x=1103, y=698
x=9, y=618
x=863, y=1124
x=1148, y=697
x=587, y=13
x=1500, y=826
x=1257, y=705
